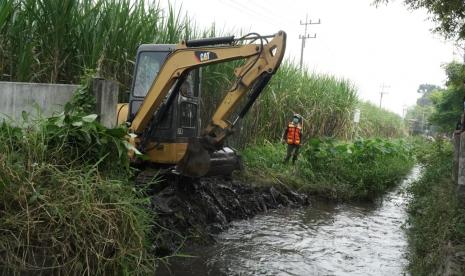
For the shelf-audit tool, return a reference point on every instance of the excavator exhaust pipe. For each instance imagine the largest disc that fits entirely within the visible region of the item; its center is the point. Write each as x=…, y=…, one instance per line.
x=198, y=162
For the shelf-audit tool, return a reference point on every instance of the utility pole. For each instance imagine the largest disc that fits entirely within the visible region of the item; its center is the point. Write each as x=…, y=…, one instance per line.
x=382, y=93
x=404, y=111
x=423, y=122
x=463, y=54
x=306, y=36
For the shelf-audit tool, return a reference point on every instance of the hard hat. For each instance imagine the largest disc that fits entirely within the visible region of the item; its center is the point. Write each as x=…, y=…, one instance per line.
x=298, y=116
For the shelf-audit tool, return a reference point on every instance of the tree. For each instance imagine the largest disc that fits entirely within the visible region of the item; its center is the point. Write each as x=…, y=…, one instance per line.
x=448, y=103
x=449, y=15
x=417, y=118
x=426, y=90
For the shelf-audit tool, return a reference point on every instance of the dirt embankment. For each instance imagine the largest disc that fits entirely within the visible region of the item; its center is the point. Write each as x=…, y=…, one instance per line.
x=194, y=210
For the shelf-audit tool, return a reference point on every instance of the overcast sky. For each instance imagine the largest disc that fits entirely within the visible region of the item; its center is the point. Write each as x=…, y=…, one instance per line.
x=355, y=40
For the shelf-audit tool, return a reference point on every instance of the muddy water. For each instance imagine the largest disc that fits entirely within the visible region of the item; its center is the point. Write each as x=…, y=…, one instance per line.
x=323, y=239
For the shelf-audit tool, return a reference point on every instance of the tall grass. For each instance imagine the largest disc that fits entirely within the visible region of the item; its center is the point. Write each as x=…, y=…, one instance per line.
x=378, y=122
x=325, y=103
x=54, y=41
x=57, y=41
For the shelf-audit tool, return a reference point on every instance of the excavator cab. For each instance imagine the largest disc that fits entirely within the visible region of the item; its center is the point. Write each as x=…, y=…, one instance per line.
x=181, y=119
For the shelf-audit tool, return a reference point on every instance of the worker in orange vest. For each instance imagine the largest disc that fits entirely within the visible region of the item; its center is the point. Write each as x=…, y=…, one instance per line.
x=293, y=137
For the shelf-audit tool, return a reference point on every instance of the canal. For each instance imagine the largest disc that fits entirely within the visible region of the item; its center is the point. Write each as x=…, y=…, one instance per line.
x=325, y=238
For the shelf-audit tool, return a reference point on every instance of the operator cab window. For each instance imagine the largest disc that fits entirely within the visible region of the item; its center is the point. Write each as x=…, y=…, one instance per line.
x=187, y=87
x=188, y=118
x=148, y=66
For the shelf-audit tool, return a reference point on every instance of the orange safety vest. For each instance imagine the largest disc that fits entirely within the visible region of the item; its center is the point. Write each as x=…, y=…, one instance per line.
x=293, y=134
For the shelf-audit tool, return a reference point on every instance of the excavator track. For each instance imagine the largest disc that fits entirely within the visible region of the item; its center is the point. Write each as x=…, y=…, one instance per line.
x=149, y=177
x=222, y=163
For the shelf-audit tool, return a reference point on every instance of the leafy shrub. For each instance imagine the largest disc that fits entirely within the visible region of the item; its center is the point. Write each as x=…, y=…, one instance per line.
x=359, y=170
x=367, y=166
x=66, y=204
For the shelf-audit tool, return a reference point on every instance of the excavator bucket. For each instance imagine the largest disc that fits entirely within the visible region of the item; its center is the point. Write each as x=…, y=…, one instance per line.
x=196, y=160
x=223, y=162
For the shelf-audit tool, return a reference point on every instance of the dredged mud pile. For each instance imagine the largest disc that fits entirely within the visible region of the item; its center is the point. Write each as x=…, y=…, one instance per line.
x=193, y=210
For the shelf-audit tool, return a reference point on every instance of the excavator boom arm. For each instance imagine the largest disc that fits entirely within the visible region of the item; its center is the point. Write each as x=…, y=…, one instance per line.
x=253, y=76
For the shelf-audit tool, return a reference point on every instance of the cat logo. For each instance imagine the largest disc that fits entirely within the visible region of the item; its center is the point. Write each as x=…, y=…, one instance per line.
x=203, y=56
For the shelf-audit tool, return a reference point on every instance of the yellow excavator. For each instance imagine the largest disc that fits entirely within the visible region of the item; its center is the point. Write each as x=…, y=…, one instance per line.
x=163, y=110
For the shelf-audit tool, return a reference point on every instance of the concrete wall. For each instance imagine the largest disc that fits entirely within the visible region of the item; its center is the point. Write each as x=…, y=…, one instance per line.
x=16, y=97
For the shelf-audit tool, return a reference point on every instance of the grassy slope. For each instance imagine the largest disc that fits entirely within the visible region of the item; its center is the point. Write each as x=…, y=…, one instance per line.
x=437, y=222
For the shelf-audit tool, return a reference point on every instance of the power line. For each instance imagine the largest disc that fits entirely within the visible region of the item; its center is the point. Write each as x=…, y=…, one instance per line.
x=270, y=13
x=244, y=9
x=306, y=36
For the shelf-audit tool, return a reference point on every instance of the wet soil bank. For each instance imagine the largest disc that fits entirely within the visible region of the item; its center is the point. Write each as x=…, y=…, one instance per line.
x=193, y=210
x=326, y=238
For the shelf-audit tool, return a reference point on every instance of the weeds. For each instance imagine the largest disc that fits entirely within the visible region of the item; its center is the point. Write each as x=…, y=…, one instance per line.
x=54, y=41
x=339, y=170
x=436, y=220
x=66, y=203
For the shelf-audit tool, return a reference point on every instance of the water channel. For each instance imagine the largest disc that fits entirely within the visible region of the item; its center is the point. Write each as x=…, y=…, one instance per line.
x=325, y=238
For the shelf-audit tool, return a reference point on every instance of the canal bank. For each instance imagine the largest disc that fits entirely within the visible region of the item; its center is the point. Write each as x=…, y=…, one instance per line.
x=324, y=238
x=436, y=215
x=192, y=211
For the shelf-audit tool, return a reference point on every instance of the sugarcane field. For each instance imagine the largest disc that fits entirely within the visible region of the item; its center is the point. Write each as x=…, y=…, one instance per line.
x=232, y=137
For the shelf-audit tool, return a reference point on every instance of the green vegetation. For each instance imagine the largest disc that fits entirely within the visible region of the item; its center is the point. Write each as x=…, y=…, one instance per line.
x=437, y=221
x=418, y=118
x=448, y=103
x=338, y=170
x=325, y=102
x=439, y=110
x=377, y=122
x=55, y=41
x=436, y=217
x=66, y=203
